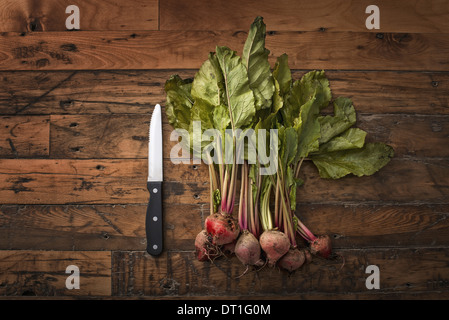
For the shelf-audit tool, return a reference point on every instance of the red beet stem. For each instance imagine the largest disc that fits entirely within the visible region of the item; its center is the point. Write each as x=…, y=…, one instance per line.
x=305, y=232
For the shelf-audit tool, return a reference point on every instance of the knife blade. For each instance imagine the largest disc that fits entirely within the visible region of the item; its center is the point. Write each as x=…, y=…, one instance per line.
x=153, y=220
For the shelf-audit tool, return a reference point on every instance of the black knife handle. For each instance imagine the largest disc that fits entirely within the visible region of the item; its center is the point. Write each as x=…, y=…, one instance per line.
x=153, y=222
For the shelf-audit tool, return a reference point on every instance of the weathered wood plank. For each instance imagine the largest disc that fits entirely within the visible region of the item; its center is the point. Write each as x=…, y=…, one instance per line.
x=126, y=275
x=24, y=136
x=81, y=92
x=125, y=136
x=104, y=136
x=409, y=135
x=180, y=49
x=42, y=273
x=90, y=227
x=392, y=92
x=121, y=227
x=103, y=181
x=62, y=181
x=418, y=181
x=50, y=15
x=289, y=15
x=361, y=225
x=136, y=92
x=402, y=271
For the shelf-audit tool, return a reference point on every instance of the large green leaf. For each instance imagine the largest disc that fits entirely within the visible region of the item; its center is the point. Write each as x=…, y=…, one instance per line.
x=308, y=128
x=360, y=162
x=178, y=102
x=282, y=74
x=203, y=111
x=353, y=138
x=344, y=118
x=290, y=146
x=255, y=59
x=282, y=81
x=221, y=118
x=239, y=96
x=208, y=82
x=313, y=85
x=292, y=102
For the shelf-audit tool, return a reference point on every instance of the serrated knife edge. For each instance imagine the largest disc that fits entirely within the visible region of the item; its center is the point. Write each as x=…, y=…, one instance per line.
x=155, y=169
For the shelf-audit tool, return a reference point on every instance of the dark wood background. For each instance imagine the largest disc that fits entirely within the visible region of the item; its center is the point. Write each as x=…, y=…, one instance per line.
x=74, y=113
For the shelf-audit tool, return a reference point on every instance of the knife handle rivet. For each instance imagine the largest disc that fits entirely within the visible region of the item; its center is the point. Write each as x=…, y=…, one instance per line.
x=155, y=190
x=154, y=218
x=155, y=246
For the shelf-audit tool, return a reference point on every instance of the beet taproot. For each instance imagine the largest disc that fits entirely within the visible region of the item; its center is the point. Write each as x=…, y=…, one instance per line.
x=204, y=248
x=321, y=246
x=247, y=249
x=275, y=244
x=292, y=260
x=222, y=228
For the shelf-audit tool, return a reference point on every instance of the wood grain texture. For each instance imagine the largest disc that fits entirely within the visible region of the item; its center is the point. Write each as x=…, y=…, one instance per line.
x=411, y=136
x=121, y=227
x=90, y=181
x=93, y=227
x=123, y=181
x=105, y=15
x=74, y=114
x=359, y=225
x=125, y=136
x=42, y=273
x=24, y=136
x=410, y=181
x=179, y=49
x=136, y=92
x=290, y=15
x=100, y=136
x=402, y=271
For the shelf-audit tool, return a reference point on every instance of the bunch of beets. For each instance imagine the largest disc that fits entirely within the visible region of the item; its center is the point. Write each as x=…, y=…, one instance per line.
x=231, y=96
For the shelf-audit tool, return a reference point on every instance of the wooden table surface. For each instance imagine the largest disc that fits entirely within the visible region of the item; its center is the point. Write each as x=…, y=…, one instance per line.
x=74, y=113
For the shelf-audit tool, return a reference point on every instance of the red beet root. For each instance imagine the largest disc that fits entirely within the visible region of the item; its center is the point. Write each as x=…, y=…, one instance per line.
x=229, y=248
x=275, y=244
x=292, y=260
x=247, y=249
x=223, y=228
x=307, y=255
x=321, y=246
x=205, y=250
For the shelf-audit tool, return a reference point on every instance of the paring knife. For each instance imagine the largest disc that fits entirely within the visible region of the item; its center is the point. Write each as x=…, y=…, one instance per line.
x=153, y=223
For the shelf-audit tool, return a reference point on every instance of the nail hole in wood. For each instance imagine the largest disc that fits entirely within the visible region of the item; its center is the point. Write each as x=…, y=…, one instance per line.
x=379, y=35
x=76, y=149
